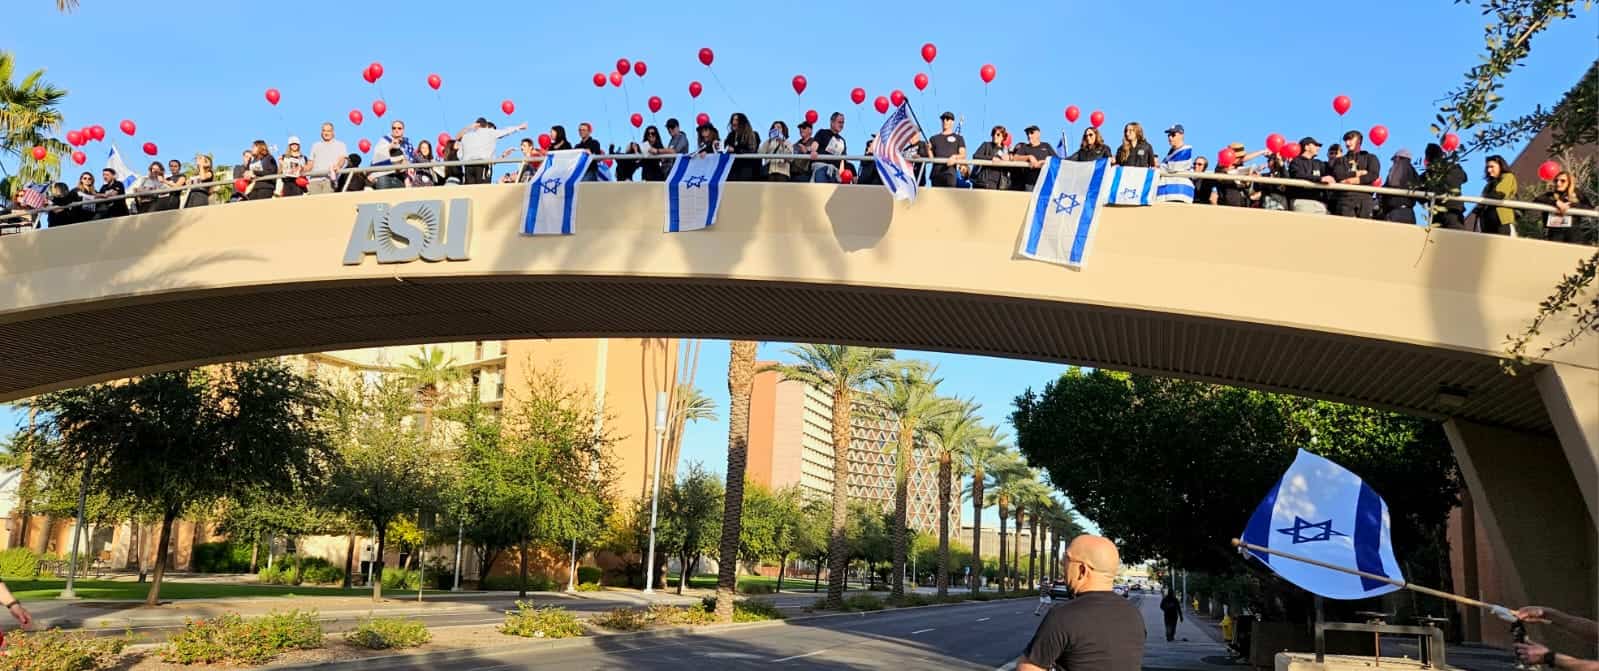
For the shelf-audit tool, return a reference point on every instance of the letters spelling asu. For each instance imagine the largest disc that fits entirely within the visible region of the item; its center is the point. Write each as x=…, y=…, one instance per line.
x=404, y=232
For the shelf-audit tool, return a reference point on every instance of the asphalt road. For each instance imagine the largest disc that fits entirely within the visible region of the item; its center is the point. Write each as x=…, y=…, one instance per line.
x=984, y=635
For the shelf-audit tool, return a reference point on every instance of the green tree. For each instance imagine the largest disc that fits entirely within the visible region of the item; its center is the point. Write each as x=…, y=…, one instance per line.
x=951, y=434
x=868, y=529
x=691, y=516
x=740, y=377
x=813, y=536
x=840, y=370
x=1004, y=476
x=28, y=114
x=434, y=374
x=981, y=456
x=182, y=440
x=909, y=396
x=260, y=513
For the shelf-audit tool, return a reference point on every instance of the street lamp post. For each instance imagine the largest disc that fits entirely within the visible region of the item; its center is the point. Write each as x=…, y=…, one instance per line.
x=77, y=534
x=655, y=496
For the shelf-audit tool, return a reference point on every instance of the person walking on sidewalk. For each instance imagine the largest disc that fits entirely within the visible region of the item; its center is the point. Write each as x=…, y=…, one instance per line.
x=1098, y=629
x=1044, y=600
x=1172, y=611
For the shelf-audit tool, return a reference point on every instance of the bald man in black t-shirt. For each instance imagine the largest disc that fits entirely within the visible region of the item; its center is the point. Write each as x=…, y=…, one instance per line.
x=1097, y=630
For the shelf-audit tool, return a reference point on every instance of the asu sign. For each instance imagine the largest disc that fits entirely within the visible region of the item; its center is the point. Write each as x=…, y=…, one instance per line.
x=405, y=232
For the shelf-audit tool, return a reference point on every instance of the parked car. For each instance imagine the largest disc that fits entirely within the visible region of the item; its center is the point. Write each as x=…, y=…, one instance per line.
x=1059, y=590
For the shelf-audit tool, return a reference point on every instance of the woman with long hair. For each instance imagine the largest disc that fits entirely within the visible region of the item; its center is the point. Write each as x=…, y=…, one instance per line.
x=1562, y=195
x=1501, y=185
x=652, y=170
x=777, y=170
x=1092, y=148
x=293, y=164
x=1401, y=175
x=988, y=176
x=1135, y=151
x=709, y=140
x=204, y=173
x=742, y=139
x=422, y=176
x=449, y=174
x=1204, y=189
x=261, y=165
x=558, y=140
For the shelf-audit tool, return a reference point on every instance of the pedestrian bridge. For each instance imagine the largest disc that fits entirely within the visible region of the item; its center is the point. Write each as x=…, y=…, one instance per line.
x=1384, y=315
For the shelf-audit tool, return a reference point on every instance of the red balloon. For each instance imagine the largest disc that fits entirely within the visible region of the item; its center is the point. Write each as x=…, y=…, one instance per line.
x=1548, y=170
x=846, y=176
x=706, y=56
x=599, y=80
x=1097, y=118
x=1451, y=142
x=1224, y=158
x=897, y=97
x=702, y=119
x=39, y=153
x=881, y=103
x=355, y=117
x=987, y=72
x=545, y=141
x=97, y=131
x=127, y=126
x=857, y=95
x=74, y=138
x=443, y=141
x=639, y=69
x=376, y=69
x=1288, y=150
x=241, y=185
x=379, y=108
x=623, y=65
x=1275, y=141
x=1341, y=104
x=637, y=119
x=799, y=84
x=435, y=81
x=655, y=104
x=920, y=81
x=811, y=116
x=79, y=157
x=149, y=148
x=1378, y=182
x=1378, y=134
x=1072, y=113
x=929, y=52
x=273, y=96
x=507, y=107
x=301, y=182
x=616, y=79
x=364, y=145
x=694, y=89
x=367, y=75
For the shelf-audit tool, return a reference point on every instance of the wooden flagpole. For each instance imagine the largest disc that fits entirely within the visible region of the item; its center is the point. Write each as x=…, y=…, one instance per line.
x=1499, y=611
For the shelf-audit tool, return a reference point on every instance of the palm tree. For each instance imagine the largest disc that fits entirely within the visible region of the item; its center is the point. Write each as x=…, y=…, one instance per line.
x=959, y=426
x=431, y=372
x=740, y=376
x=839, y=369
x=66, y=6
x=910, y=397
x=980, y=457
x=689, y=404
x=28, y=114
x=1007, y=473
x=1026, y=493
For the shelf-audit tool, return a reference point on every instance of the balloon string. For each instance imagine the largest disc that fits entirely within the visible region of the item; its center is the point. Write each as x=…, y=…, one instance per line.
x=605, y=107
x=722, y=86
x=443, y=118
x=934, y=74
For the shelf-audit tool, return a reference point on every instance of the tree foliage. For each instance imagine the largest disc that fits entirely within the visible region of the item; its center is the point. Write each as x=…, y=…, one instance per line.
x=691, y=519
x=1172, y=468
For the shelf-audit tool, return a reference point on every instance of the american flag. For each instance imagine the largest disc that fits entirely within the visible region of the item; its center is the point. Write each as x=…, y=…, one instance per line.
x=32, y=197
x=898, y=175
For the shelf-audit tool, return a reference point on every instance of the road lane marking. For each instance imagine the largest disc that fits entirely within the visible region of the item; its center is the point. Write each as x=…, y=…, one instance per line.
x=984, y=619
x=808, y=654
x=922, y=631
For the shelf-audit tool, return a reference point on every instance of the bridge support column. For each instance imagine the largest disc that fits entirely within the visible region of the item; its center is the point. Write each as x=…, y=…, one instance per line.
x=1534, y=495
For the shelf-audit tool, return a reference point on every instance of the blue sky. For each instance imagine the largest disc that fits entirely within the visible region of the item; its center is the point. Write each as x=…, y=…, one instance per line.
x=192, y=75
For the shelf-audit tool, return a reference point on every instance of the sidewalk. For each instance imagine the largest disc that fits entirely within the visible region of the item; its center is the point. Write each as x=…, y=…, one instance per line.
x=1194, y=647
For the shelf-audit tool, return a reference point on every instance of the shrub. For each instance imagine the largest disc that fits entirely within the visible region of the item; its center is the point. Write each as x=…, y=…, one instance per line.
x=229, y=638
x=589, y=574
x=909, y=600
x=685, y=614
x=757, y=588
x=225, y=557
x=401, y=579
x=531, y=621
x=382, y=633
x=323, y=575
x=861, y=602
x=536, y=582
x=745, y=610
x=18, y=563
x=589, y=587
x=625, y=619
x=56, y=650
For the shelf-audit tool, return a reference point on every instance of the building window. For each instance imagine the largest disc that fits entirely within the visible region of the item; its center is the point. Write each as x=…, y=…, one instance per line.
x=477, y=378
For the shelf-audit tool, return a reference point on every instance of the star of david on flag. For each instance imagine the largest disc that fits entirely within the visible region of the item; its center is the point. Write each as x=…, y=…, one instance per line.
x=552, y=195
x=694, y=191
x=1319, y=510
x=1066, y=202
x=1131, y=186
x=899, y=129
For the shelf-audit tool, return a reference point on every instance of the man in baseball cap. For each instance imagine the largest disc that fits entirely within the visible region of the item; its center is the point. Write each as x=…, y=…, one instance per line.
x=947, y=145
x=1307, y=167
x=1180, y=158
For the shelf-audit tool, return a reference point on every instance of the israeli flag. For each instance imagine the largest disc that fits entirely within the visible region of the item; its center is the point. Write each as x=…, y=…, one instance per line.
x=1066, y=200
x=1131, y=186
x=125, y=175
x=694, y=190
x=1321, y=511
x=553, y=193
x=1177, y=189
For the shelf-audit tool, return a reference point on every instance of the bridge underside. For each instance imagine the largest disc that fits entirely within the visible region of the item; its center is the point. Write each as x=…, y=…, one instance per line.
x=56, y=351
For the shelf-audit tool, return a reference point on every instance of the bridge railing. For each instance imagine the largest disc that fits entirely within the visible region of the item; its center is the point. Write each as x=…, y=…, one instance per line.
x=17, y=218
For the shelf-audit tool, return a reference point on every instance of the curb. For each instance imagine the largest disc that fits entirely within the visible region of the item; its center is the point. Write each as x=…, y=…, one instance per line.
x=679, y=631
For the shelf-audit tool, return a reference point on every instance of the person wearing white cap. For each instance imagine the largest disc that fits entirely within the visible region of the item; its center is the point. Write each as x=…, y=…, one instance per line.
x=292, y=165
x=328, y=157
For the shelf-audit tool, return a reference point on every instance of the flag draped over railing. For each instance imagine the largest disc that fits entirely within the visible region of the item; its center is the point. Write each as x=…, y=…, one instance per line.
x=899, y=130
x=552, y=195
x=1060, y=224
x=694, y=191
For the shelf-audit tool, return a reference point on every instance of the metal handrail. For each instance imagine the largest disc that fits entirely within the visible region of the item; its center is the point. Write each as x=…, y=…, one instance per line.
x=828, y=158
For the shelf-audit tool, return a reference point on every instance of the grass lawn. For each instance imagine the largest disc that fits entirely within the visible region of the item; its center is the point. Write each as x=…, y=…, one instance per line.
x=49, y=588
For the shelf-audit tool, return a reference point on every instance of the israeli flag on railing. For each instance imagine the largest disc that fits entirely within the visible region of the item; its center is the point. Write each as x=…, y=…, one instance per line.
x=1177, y=189
x=552, y=194
x=124, y=174
x=1319, y=510
x=694, y=191
x=1131, y=186
x=1066, y=200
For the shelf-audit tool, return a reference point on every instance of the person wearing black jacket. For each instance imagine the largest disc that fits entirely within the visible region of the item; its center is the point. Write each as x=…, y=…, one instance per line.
x=1401, y=175
x=1135, y=151
x=1356, y=166
x=1453, y=213
x=1204, y=189
x=112, y=192
x=61, y=196
x=742, y=139
x=587, y=142
x=1092, y=148
x=1307, y=167
x=1563, y=195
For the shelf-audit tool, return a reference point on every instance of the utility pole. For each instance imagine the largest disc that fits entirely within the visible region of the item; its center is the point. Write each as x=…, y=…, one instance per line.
x=655, y=496
x=77, y=534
